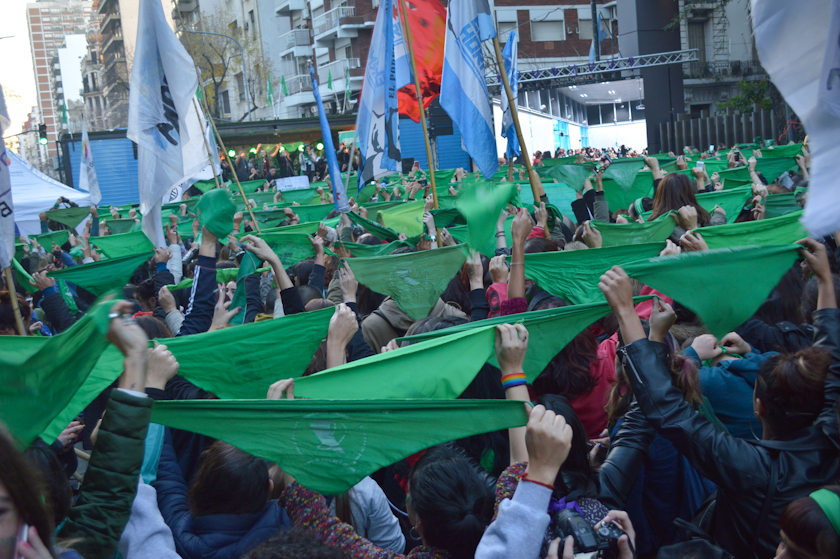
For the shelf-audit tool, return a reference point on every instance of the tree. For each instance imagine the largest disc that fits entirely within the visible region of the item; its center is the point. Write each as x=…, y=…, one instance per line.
x=751, y=93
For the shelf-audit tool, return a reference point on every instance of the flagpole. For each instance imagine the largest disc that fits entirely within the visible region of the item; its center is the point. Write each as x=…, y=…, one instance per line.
x=536, y=185
x=352, y=158
x=215, y=131
x=207, y=147
x=417, y=91
x=13, y=293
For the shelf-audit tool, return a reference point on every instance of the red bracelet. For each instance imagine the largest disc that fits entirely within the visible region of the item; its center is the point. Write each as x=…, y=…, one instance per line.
x=546, y=485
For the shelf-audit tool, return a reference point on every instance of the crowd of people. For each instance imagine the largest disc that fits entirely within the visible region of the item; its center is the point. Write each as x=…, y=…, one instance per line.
x=261, y=163
x=647, y=436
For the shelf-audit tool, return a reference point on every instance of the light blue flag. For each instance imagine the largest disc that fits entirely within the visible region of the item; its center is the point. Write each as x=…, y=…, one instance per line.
x=508, y=129
x=340, y=199
x=601, y=36
x=463, y=92
x=378, y=119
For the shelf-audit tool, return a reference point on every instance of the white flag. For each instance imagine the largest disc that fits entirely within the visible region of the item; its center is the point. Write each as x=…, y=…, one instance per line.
x=163, y=119
x=87, y=172
x=7, y=207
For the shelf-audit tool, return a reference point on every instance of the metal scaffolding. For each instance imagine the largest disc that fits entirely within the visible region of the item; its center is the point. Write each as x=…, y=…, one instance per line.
x=569, y=75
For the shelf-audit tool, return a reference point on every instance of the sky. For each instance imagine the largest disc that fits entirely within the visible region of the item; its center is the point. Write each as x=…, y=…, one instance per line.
x=16, y=73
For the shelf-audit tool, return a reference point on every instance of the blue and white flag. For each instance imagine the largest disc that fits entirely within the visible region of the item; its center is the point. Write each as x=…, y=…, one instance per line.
x=163, y=118
x=463, y=91
x=87, y=172
x=7, y=206
x=378, y=121
x=602, y=34
x=340, y=200
x=508, y=129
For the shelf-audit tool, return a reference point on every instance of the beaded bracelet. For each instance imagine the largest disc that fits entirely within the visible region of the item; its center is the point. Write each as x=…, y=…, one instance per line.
x=513, y=379
x=525, y=477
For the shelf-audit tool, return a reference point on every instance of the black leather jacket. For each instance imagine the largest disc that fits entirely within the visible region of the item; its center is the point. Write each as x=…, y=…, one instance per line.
x=806, y=460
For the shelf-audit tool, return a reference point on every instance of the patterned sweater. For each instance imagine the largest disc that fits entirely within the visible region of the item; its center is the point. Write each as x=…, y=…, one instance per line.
x=309, y=510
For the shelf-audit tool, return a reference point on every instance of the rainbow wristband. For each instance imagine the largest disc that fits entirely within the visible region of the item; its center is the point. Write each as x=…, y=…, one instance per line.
x=515, y=379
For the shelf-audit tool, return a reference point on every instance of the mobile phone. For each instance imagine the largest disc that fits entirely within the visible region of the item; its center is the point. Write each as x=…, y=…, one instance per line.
x=701, y=165
x=712, y=148
x=23, y=536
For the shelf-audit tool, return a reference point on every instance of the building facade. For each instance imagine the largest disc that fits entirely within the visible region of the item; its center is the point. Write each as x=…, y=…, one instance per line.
x=48, y=24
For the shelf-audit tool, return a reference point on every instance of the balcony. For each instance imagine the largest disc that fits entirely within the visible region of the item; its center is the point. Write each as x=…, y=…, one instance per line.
x=286, y=7
x=114, y=40
x=300, y=91
x=106, y=5
x=338, y=70
x=338, y=23
x=296, y=42
x=733, y=70
x=113, y=17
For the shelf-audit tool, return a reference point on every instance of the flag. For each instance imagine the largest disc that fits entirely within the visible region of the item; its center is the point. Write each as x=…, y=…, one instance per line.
x=329, y=80
x=463, y=92
x=7, y=207
x=378, y=116
x=283, y=85
x=428, y=28
x=64, y=113
x=347, y=92
x=508, y=129
x=270, y=93
x=602, y=34
x=163, y=117
x=87, y=172
x=340, y=199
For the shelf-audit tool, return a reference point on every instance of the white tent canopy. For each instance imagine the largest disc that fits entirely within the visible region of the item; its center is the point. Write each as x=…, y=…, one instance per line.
x=34, y=192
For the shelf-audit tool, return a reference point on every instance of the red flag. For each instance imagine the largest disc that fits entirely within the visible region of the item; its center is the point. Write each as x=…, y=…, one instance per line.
x=427, y=19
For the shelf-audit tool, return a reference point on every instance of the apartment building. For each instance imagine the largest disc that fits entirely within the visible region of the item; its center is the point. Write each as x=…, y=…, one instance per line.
x=722, y=35
x=48, y=24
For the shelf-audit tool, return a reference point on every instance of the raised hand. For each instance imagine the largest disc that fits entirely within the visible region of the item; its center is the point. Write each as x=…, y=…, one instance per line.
x=222, y=313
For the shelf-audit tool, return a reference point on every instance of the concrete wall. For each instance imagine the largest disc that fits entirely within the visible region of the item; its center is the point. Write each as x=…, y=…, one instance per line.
x=631, y=134
x=537, y=129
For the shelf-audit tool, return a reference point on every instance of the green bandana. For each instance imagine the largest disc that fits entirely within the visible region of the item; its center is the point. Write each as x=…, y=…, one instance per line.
x=247, y=267
x=71, y=217
x=406, y=218
x=364, y=251
x=216, y=211
x=623, y=171
x=791, y=150
x=374, y=228
x=313, y=212
x=119, y=226
x=47, y=239
x=100, y=277
x=304, y=228
x=67, y=296
x=549, y=331
x=176, y=206
x=38, y=376
x=405, y=373
x=775, y=231
x=781, y=204
x=732, y=201
x=306, y=196
x=617, y=198
x=772, y=167
x=448, y=216
x=573, y=176
x=415, y=280
x=719, y=311
x=574, y=275
x=291, y=248
x=481, y=206
x=23, y=277
x=615, y=234
x=126, y=244
x=829, y=502
x=223, y=275
x=329, y=446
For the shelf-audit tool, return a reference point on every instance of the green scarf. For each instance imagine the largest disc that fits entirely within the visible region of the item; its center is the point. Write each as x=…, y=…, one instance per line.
x=126, y=244
x=47, y=239
x=365, y=251
x=247, y=267
x=305, y=228
x=656, y=231
x=405, y=373
x=38, y=376
x=71, y=217
x=291, y=248
x=223, y=275
x=623, y=171
x=119, y=226
x=481, y=206
x=778, y=205
x=732, y=201
x=313, y=212
x=306, y=196
x=374, y=228
x=549, y=331
x=176, y=206
x=216, y=212
x=23, y=277
x=406, y=218
x=772, y=167
x=759, y=268
x=103, y=276
x=574, y=275
x=330, y=445
x=573, y=176
x=415, y=280
x=782, y=230
x=791, y=150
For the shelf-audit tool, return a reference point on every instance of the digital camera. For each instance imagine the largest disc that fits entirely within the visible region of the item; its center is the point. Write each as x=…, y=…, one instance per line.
x=589, y=543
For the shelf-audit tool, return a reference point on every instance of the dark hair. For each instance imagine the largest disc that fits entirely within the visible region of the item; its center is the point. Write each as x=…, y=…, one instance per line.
x=303, y=270
x=456, y=295
x=58, y=492
x=452, y=499
x=805, y=524
x=8, y=322
x=145, y=291
x=295, y=543
x=540, y=244
x=674, y=192
x=368, y=239
x=791, y=388
x=568, y=373
x=309, y=293
x=577, y=467
x=229, y=481
x=647, y=205
x=24, y=486
x=318, y=304
x=368, y=300
x=489, y=450
x=153, y=327
x=225, y=265
x=403, y=250
x=808, y=302
x=783, y=303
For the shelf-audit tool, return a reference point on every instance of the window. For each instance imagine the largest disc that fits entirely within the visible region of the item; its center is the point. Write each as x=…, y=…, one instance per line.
x=225, y=102
x=622, y=112
x=506, y=22
x=547, y=25
x=240, y=86
x=251, y=15
x=593, y=115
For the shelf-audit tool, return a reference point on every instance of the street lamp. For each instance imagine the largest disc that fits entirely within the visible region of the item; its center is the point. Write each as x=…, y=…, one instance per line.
x=241, y=54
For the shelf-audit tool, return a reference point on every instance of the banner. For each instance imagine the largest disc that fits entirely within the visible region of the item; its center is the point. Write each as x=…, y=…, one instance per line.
x=7, y=207
x=87, y=172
